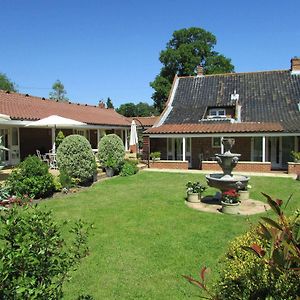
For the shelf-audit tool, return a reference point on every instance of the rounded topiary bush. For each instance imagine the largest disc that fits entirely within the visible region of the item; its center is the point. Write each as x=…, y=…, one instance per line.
x=76, y=158
x=111, y=151
x=31, y=178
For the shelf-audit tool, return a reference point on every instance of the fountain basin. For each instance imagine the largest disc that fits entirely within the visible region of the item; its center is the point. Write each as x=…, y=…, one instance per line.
x=227, y=182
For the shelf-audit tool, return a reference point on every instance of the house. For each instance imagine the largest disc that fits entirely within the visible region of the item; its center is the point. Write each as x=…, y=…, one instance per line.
x=261, y=110
x=17, y=110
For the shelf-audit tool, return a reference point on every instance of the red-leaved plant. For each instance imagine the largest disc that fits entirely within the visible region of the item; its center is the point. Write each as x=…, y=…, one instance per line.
x=282, y=250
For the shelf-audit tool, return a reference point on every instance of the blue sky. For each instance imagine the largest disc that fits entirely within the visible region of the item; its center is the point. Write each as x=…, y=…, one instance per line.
x=101, y=49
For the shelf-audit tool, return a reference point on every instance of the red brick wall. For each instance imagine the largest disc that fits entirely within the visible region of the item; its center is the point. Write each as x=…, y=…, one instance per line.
x=146, y=147
x=159, y=145
x=241, y=166
x=293, y=168
x=169, y=164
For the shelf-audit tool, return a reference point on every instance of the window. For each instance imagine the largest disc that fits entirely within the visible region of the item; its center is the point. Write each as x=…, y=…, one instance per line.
x=217, y=113
x=216, y=142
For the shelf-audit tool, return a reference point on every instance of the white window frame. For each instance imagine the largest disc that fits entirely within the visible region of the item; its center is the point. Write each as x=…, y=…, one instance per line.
x=217, y=113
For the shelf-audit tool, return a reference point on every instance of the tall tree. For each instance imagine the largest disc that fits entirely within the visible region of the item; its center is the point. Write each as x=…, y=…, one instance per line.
x=59, y=92
x=127, y=109
x=109, y=103
x=187, y=48
x=6, y=84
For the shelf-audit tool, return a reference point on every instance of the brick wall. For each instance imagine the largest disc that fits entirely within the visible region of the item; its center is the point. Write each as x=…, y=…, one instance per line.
x=249, y=166
x=204, y=147
x=293, y=168
x=169, y=164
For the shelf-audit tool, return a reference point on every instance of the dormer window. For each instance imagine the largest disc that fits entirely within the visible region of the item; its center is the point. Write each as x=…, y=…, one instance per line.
x=217, y=113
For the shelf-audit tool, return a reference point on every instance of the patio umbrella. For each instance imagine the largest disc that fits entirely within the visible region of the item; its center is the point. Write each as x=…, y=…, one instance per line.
x=54, y=121
x=133, y=136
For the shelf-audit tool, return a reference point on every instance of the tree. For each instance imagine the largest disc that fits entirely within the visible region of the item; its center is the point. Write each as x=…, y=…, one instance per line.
x=127, y=109
x=109, y=103
x=6, y=84
x=142, y=109
x=187, y=48
x=59, y=92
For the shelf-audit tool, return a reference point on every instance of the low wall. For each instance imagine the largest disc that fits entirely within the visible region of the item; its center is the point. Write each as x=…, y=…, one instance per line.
x=169, y=164
x=242, y=166
x=293, y=168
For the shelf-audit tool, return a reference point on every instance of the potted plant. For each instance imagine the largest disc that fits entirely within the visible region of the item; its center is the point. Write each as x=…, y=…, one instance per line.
x=230, y=202
x=296, y=156
x=194, y=191
x=155, y=156
x=245, y=193
x=110, y=166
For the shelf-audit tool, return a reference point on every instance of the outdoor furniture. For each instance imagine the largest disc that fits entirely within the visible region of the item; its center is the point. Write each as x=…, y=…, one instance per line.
x=42, y=157
x=52, y=160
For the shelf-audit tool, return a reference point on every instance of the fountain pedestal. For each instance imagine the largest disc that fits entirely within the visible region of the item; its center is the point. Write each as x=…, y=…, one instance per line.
x=227, y=161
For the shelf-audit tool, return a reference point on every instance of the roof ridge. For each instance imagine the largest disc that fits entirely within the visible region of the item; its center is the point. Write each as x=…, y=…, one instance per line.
x=232, y=74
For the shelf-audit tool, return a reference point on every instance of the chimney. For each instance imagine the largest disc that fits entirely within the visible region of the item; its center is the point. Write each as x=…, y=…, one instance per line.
x=101, y=104
x=199, y=71
x=295, y=65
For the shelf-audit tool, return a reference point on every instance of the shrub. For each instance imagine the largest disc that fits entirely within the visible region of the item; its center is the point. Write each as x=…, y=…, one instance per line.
x=264, y=263
x=111, y=151
x=59, y=138
x=75, y=157
x=34, y=258
x=129, y=168
x=31, y=178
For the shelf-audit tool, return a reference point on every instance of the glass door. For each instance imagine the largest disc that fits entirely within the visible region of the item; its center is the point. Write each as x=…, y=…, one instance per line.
x=275, y=152
x=4, y=155
x=15, y=147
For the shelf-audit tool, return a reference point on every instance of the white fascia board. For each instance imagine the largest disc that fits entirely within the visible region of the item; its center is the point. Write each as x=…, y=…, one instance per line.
x=189, y=135
x=170, y=107
x=17, y=123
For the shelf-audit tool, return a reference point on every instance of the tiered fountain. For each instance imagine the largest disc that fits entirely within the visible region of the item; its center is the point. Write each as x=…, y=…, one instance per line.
x=227, y=161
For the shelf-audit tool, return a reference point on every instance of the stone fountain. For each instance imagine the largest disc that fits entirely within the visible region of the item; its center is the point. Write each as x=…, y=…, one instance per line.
x=227, y=161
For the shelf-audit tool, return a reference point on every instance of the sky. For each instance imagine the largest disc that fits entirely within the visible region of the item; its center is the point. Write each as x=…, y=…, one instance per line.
x=101, y=49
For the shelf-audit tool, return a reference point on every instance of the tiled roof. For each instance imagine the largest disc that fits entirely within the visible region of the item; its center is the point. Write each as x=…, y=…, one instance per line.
x=145, y=121
x=216, y=128
x=271, y=96
x=24, y=107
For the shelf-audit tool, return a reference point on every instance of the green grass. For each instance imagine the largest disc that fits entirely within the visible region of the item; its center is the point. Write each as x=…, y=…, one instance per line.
x=145, y=237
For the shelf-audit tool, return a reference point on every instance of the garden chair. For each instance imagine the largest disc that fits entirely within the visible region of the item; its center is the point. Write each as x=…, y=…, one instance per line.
x=52, y=161
x=42, y=157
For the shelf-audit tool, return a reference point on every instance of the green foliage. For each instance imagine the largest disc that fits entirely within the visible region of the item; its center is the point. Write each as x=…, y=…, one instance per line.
x=111, y=151
x=129, y=168
x=59, y=93
x=59, y=138
x=31, y=178
x=187, y=48
x=34, y=258
x=195, y=187
x=6, y=84
x=155, y=155
x=296, y=156
x=263, y=263
x=142, y=109
x=75, y=158
x=109, y=103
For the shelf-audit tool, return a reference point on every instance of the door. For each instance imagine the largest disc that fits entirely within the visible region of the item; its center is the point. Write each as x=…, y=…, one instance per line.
x=275, y=152
x=4, y=155
x=175, y=148
x=15, y=146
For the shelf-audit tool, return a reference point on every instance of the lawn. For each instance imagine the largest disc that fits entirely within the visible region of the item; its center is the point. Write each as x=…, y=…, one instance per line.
x=145, y=237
